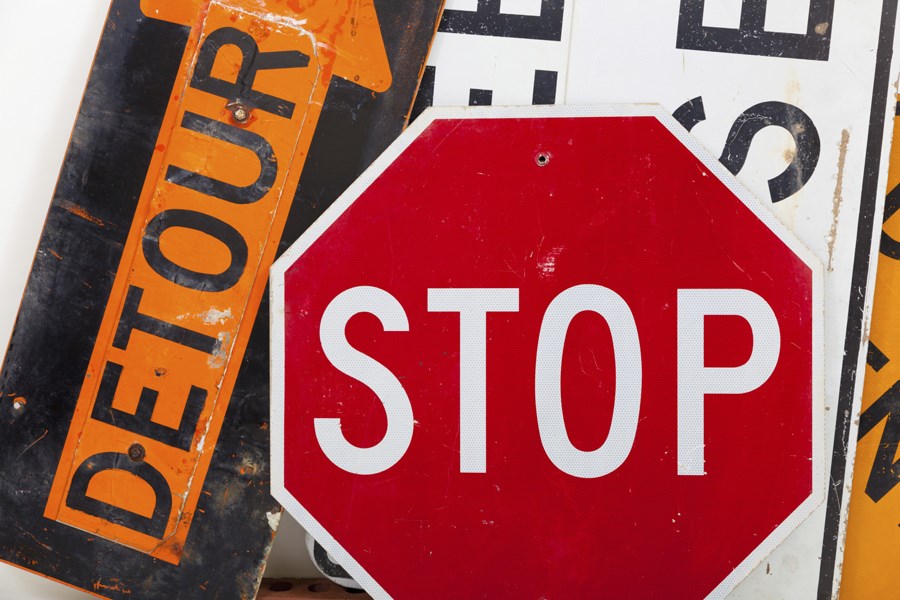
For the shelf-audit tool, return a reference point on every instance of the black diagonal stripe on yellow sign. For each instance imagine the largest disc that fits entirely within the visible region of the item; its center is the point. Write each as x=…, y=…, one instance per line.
x=873, y=530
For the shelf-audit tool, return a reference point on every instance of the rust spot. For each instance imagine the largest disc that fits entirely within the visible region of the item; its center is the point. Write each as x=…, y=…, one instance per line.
x=80, y=212
x=137, y=453
x=239, y=113
x=115, y=586
x=838, y=197
x=260, y=30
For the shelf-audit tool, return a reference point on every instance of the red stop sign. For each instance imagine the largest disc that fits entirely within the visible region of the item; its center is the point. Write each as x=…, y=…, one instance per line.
x=547, y=353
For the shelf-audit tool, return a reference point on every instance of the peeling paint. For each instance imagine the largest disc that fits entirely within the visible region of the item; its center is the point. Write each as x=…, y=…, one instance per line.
x=80, y=212
x=547, y=265
x=831, y=238
x=213, y=316
x=115, y=586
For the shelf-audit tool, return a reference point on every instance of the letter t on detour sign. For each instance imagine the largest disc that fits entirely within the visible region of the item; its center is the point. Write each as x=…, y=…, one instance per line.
x=548, y=351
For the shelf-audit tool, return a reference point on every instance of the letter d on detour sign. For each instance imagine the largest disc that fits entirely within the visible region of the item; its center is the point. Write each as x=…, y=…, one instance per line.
x=550, y=351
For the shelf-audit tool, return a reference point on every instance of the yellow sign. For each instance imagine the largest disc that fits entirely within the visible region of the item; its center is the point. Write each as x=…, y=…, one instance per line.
x=873, y=530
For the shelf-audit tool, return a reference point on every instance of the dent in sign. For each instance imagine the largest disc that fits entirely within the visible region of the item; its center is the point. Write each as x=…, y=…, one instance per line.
x=210, y=216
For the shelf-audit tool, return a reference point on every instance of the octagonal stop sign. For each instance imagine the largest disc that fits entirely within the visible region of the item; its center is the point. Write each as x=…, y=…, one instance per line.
x=547, y=353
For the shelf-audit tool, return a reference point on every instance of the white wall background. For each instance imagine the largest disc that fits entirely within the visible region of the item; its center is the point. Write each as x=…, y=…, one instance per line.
x=46, y=50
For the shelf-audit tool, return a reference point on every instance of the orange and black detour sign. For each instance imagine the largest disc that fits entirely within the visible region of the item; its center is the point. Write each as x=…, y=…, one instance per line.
x=873, y=529
x=134, y=408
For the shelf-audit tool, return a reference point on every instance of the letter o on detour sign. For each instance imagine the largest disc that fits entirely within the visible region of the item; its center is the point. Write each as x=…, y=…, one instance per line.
x=547, y=352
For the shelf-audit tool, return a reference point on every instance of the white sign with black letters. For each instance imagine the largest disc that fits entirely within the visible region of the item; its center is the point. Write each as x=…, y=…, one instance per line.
x=793, y=95
x=500, y=52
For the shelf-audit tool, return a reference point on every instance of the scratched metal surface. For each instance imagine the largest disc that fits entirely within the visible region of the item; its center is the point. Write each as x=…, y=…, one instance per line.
x=793, y=96
x=76, y=262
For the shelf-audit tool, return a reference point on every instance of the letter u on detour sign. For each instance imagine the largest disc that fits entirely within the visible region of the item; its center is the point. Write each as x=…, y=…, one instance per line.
x=548, y=351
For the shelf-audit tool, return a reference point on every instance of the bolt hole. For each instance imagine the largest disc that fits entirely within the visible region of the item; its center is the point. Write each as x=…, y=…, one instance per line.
x=319, y=587
x=137, y=453
x=281, y=586
x=542, y=159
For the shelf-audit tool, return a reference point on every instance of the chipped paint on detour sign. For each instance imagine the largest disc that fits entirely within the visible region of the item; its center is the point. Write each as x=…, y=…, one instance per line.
x=548, y=352
x=211, y=134
x=193, y=267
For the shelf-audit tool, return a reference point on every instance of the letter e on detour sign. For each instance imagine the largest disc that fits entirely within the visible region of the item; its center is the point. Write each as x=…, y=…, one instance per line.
x=550, y=351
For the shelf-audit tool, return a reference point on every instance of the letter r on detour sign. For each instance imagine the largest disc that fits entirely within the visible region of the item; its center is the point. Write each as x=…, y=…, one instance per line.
x=556, y=351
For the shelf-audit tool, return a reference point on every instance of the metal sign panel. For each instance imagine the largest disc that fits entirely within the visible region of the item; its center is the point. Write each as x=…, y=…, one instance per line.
x=134, y=412
x=504, y=53
x=793, y=97
x=873, y=536
x=572, y=362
